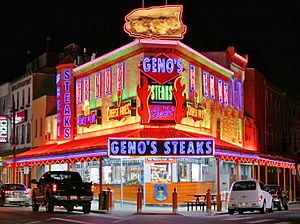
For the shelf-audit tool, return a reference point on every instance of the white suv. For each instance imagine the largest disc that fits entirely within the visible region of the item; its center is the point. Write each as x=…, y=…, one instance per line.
x=249, y=195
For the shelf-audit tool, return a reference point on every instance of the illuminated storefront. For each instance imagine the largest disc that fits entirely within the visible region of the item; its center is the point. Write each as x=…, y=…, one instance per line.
x=157, y=115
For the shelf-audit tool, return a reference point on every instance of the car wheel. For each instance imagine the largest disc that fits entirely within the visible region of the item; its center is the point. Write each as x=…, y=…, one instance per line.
x=230, y=211
x=49, y=205
x=35, y=205
x=286, y=204
x=70, y=208
x=272, y=207
x=263, y=208
x=280, y=206
x=240, y=212
x=86, y=208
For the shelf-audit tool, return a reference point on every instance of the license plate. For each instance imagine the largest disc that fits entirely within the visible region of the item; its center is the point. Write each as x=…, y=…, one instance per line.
x=243, y=204
x=73, y=197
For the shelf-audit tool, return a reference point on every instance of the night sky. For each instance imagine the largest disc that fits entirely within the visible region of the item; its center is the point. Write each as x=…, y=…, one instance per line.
x=265, y=30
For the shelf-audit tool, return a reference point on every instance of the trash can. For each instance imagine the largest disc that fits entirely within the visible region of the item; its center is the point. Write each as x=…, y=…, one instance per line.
x=103, y=199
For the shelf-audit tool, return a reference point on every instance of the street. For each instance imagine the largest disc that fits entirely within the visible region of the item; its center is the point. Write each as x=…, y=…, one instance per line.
x=15, y=215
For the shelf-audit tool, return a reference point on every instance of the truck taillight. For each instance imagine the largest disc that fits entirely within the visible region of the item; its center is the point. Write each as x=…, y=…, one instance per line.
x=7, y=192
x=93, y=188
x=54, y=187
x=260, y=198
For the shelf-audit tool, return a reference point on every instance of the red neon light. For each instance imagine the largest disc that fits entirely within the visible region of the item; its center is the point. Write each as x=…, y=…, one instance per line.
x=86, y=89
x=180, y=97
x=144, y=92
x=192, y=76
x=98, y=85
x=78, y=91
x=120, y=76
x=108, y=81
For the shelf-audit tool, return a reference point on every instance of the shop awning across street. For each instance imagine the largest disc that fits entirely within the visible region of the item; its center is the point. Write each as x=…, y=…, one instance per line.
x=93, y=148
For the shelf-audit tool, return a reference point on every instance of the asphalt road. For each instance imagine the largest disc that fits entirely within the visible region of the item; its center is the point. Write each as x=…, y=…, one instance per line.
x=15, y=215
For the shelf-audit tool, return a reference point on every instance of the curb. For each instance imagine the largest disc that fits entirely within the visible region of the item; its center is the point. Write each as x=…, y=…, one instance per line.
x=155, y=213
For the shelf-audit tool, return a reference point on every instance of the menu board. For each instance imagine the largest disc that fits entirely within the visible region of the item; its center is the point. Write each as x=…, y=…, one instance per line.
x=3, y=129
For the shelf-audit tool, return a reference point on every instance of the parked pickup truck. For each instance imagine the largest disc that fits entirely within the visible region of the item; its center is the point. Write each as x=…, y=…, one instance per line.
x=62, y=188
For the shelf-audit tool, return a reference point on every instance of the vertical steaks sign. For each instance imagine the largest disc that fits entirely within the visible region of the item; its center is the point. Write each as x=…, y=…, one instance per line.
x=161, y=147
x=65, y=102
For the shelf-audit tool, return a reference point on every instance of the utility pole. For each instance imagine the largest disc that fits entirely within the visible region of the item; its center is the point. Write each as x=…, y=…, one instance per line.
x=14, y=143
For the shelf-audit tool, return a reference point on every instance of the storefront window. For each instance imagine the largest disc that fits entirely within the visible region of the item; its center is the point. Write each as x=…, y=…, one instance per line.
x=161, y=172
x=196, y=170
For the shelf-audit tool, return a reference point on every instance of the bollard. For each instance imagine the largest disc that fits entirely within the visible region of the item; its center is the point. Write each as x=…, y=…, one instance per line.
x=175, y=201
x=208, y=201
x=109, y=199
x=219, y=202
x=139, y=200
x=100, y=201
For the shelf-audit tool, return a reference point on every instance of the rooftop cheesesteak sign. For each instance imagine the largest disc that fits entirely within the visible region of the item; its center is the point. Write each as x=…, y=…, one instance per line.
x=161, y=147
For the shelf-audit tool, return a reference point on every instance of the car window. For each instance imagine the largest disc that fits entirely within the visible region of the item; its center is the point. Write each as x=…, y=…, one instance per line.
x=244, y=186
x=17, y=187
x=262, y=186
x=271, y=189
x=74, y=177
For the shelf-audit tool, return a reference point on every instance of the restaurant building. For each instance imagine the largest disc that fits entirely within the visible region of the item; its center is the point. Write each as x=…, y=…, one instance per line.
x=154, y=114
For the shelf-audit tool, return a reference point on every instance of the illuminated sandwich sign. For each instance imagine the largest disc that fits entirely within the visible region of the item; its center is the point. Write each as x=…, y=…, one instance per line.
x=158, y=22
x=161, y=147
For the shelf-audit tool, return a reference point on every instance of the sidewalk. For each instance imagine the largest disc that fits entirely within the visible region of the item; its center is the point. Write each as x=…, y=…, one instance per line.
x=131, y=209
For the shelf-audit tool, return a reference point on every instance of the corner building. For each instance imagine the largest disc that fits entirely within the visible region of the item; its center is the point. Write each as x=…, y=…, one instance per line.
x=154, y=115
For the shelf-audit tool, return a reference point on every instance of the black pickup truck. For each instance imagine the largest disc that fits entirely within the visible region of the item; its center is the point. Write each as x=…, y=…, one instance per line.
x=62, y=188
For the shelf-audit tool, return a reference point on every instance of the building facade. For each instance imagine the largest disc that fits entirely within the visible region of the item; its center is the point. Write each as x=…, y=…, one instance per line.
x=156, y=115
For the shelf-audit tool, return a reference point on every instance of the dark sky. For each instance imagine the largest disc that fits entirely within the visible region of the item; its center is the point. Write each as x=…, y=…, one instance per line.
x=265, y=30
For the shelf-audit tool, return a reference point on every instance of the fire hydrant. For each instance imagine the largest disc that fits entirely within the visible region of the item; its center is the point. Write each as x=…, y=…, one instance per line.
x=208, y=201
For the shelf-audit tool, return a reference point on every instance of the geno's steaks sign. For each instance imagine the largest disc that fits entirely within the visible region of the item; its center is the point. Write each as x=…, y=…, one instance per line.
x=161, y=147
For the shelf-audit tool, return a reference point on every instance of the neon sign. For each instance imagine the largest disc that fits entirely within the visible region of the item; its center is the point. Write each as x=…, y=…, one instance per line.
x=158, y=22
x=225, y=88
x=192, y=77
x=118, y=113
x=212, y=87
x=87, y=118
x=162, y=68
x=162, y=112
x=161, y=92
x=78, y=91
x=98, y=85
x=220, y=91
x=86, y=85
x=64, y=94
x=161, y=147
x=108, y=81
x=232, y=92
x=205, y=83
x=21, y=116
x=196, y=113
x=3, y=128
x=240, y=95
x=120, y=76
